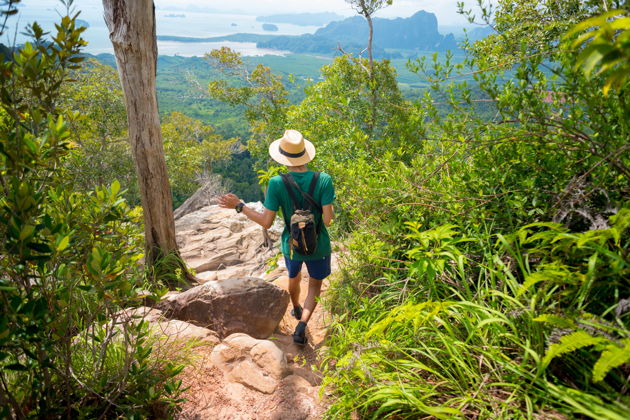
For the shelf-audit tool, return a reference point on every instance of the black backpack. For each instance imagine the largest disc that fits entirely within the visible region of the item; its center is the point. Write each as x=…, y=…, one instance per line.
x=304, y=226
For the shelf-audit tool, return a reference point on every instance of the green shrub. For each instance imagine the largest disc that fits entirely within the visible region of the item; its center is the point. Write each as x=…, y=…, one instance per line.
x=69, y=262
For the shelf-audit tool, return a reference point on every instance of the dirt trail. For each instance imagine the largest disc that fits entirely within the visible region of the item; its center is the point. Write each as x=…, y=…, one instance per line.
x=210, y=396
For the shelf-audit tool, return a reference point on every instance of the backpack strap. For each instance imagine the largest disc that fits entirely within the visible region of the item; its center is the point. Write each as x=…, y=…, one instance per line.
x=311, y=191
x=307, y=196
x=287, y=184
x=311, y=188
x=296, y=205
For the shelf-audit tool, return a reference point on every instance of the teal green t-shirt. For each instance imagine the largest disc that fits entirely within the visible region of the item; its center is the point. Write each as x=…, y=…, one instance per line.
x=278, y=198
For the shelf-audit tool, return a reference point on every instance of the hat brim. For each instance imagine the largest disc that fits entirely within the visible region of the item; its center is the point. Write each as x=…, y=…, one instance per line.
x=274, y=152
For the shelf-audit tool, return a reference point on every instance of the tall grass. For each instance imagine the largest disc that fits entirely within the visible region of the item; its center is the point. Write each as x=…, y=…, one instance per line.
x=536, y=328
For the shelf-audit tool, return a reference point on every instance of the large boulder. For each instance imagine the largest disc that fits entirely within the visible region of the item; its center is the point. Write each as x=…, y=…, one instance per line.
x=247, y=305
x=257, y=364
x=220, y=243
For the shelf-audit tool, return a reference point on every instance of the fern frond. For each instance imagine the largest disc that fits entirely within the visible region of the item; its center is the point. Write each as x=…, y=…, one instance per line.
x=555, y=320
x=569, y=343
x=620, y=223
x=587, y=404
x=554, y=272
x=612, y=357
x=418, y=314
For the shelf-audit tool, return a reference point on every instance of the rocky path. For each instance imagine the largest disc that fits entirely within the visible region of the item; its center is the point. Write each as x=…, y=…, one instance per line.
x=242, y=378
x=215, y=395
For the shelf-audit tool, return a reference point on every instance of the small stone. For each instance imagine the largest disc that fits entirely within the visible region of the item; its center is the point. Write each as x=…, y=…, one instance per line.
x=208, y=276
x=257, y=364
x=246, y=373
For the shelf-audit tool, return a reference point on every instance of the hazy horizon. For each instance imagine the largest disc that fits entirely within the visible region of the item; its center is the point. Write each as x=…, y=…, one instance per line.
x=445, y=10
x=204, y=18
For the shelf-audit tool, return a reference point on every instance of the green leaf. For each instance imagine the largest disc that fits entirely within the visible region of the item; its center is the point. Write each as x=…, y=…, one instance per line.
x=594, y=22
x=616, y=79
x=63, y=243
x=555, y=320
x=591, y=56
x=612, y=357
x=569, y=343
x=115, y=188
x=553, y=272
x=27, y=231
x=622, y=23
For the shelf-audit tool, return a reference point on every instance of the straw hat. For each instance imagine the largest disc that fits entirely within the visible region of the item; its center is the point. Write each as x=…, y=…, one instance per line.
x=292, y=149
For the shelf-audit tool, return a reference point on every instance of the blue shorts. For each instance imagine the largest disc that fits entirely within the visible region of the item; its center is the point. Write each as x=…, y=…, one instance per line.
x=318, y=269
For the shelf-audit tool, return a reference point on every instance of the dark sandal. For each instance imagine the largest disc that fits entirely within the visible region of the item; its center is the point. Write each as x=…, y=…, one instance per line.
x=296, y=312
x=299, y=335
x=300, y=340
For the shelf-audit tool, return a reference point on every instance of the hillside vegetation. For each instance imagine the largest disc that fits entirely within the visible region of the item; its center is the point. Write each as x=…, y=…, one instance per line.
x=483, y=223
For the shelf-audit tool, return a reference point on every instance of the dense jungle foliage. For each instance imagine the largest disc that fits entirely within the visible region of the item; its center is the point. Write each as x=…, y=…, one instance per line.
x=486, y=270
x=483, y=225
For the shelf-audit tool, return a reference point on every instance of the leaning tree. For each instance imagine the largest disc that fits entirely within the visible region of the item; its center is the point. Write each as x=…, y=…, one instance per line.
x=131, y=25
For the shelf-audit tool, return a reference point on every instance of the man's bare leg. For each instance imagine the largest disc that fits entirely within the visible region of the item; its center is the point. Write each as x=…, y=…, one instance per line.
x=294, y=289
x=314, y=290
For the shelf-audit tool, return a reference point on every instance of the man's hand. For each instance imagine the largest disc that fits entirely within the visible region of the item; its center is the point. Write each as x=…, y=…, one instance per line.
x=228, y=201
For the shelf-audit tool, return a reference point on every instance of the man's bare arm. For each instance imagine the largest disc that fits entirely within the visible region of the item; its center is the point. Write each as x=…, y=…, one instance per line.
x=264, y=219
x=328, y=214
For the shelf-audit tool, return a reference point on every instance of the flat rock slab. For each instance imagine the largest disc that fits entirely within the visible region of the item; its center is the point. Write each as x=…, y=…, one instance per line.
x=169, y=329
x=220, y=243
x=238, y=305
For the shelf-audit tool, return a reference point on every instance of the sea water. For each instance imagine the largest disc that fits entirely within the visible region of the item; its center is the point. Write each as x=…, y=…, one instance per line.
x=196, y=24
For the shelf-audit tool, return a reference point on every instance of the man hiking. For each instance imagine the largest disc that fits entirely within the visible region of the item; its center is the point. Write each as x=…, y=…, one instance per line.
x=305, y=198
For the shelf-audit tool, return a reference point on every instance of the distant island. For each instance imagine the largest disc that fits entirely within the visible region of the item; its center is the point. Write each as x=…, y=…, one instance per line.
x=393, y=38
x=302, y=19
x=417, y=33
x=270, y=27
x=175, y=15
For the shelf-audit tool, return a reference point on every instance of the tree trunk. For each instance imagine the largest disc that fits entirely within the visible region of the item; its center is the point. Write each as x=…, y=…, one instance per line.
x=131, y=25
x=370, y=58
x=372, y=81
x=267, y=241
